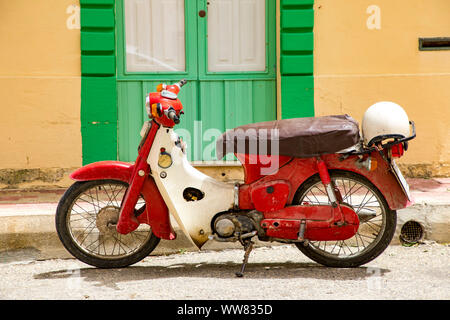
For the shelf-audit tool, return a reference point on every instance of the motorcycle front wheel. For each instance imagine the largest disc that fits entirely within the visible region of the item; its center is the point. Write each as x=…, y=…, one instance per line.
x=86, y=217
x=377, y=222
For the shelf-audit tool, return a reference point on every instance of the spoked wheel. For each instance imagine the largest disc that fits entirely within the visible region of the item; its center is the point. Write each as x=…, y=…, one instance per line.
x=376, y=221
x=86, y=220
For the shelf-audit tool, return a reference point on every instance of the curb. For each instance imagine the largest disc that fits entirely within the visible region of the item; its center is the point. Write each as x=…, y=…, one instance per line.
x=37, y=231
x=27, y=221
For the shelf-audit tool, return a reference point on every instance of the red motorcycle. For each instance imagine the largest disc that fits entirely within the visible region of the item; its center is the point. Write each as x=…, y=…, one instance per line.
x=312, y=182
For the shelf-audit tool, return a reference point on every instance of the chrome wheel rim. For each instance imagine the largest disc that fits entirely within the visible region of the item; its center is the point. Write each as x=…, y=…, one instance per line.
x=91, y=222
x=367, y=205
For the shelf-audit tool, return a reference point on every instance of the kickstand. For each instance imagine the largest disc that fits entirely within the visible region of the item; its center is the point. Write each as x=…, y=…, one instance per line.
x=248, y=246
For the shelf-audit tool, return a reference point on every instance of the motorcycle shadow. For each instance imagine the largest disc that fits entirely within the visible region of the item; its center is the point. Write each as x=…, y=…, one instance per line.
x=224, y=270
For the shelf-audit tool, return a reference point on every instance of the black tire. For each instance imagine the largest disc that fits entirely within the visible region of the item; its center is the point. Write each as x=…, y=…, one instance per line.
x=96, y=211
x=380, y=227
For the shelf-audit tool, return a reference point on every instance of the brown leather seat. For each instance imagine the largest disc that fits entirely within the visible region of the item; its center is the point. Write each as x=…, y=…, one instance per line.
x=299, y=137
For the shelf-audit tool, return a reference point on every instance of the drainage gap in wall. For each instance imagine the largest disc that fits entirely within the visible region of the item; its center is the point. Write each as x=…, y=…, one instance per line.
x=411, y=233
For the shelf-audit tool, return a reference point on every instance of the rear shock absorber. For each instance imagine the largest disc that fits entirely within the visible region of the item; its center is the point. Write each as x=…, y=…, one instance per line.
x=326, y=180
x=329, y=187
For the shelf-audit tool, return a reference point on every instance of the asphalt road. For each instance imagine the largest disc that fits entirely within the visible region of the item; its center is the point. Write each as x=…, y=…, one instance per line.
x=276, y=273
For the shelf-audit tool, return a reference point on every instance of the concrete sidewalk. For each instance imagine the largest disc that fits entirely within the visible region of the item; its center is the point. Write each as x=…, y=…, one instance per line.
x=27, y=219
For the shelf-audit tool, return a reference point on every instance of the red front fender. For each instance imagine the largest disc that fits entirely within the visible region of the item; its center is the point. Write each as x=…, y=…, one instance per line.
x=156, y=213
x=115, y=170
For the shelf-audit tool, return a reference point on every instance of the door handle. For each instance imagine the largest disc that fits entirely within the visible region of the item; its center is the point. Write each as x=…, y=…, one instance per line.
x=202, y=13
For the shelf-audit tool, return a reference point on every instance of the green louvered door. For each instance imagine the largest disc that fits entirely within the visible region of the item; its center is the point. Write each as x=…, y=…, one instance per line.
x=227, y=55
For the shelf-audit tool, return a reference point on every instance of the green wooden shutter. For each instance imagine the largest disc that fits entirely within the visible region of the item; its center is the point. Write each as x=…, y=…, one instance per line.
x=98, y=81
x=297, y=44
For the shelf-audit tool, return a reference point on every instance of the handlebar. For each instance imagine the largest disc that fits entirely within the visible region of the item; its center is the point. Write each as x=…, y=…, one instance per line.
x=182, y=82
x=172, y=114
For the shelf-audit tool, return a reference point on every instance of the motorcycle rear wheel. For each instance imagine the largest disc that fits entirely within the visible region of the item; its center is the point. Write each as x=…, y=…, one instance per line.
x=85, y=222
x=376, y=228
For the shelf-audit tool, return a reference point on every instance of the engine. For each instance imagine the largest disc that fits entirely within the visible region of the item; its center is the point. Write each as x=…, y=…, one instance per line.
x=237, y=226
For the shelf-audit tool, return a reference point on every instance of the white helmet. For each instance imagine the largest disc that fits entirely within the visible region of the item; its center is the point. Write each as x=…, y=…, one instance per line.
x=384, y=120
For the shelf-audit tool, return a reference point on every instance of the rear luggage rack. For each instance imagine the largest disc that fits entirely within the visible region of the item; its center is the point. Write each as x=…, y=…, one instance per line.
x=397, y=139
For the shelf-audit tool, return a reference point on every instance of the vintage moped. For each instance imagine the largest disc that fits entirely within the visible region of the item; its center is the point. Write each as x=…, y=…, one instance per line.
x=312, y=182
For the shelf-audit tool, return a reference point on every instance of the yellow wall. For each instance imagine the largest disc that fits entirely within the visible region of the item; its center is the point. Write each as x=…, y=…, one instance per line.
x=39, y=84
x=355, y=66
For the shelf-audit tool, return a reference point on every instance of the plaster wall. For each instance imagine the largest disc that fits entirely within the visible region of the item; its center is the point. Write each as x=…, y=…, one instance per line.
x=367, y=51
x=39, y=84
